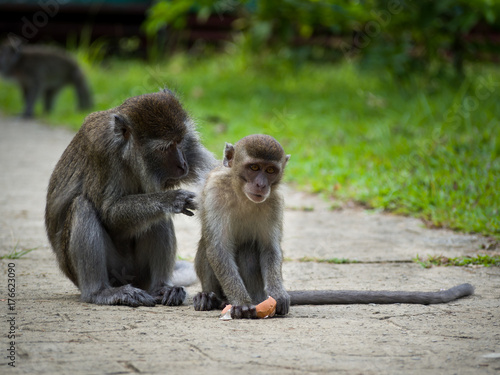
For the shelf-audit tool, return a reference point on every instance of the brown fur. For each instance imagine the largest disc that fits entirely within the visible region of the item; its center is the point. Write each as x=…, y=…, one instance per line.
x=260, y=146
x=239, y=255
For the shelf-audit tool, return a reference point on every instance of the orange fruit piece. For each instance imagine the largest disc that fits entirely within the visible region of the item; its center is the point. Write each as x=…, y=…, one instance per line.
x=265, y=309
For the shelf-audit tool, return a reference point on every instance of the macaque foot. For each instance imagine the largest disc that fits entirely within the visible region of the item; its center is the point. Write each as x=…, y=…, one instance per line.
x=26, y=116
x=170, y=295
x=244, y=312
x=207, y=301
x=124, y=295
x=282, y=303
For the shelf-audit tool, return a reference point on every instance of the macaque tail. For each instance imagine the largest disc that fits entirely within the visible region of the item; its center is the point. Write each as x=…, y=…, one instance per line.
x=184, y=274
x=339, y=297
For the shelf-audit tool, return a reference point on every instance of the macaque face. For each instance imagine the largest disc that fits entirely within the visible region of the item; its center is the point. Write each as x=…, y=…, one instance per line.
x=257, y=162
x=259, y=176
x=167, y=162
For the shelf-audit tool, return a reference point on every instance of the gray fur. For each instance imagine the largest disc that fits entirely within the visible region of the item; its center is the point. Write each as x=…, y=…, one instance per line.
x=339, y=297
x=111, y=199
x=43, y=71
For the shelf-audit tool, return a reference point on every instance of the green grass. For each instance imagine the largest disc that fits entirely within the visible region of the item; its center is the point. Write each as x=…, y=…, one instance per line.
x=16, y=253
x=439, y=260
x=429, y=149
x=485, y=260
x=328, y=260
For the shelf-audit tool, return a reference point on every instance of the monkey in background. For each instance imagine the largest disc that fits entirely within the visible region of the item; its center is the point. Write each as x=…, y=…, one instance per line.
x=112, y=195
x=239, y=258
x=42, y=71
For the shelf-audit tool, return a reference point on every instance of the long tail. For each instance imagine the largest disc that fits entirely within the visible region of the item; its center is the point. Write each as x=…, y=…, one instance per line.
x=339, y=297
x=82, y=90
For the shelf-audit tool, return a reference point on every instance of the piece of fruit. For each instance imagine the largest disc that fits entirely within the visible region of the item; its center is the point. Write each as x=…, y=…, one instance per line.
x=265, y=309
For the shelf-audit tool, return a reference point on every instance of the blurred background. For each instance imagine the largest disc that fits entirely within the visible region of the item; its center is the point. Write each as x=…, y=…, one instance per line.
x=392, y=104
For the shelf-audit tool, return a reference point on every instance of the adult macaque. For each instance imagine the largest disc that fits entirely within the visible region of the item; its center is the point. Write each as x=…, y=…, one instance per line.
x=112, y=196
x=239, y=256
x=42, y=71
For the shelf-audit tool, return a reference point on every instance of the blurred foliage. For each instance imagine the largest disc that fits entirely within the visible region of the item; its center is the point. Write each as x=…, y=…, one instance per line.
x=429, y=149
x=403, y=35
x=416, y=133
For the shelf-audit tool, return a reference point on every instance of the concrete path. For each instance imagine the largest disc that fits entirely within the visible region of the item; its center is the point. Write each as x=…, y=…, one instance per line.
x=55, y=333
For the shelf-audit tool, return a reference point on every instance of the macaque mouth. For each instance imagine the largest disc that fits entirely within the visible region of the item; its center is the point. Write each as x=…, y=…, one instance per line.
x=257, y=198
x=177, y=174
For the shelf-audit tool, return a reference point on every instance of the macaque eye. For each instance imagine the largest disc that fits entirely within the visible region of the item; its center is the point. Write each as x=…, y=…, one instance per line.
x=270, y=170
x=254, y=167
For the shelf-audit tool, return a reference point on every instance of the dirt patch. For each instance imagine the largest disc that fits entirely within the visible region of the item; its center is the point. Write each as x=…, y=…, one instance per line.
x=55, y=333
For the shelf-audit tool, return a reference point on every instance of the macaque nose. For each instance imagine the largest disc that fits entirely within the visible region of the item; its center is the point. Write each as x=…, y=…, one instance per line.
x=260, y=185
x=182, y=167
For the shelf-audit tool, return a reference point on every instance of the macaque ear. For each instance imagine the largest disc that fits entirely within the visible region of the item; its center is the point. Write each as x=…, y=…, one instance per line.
x=168, y=91
x=287, y=157
x=228, y=155
x=121, y=127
